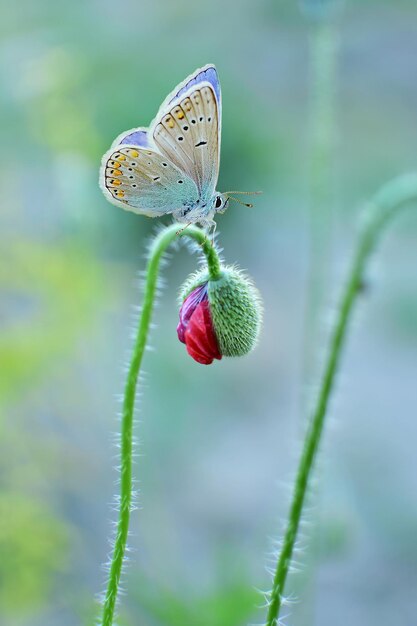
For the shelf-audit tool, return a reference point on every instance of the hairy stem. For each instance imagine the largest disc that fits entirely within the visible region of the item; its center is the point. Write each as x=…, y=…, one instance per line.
x=160, y=244
x=383, y=206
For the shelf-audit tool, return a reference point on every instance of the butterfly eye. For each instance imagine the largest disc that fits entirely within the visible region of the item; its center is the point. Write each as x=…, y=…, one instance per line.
x=218, y=202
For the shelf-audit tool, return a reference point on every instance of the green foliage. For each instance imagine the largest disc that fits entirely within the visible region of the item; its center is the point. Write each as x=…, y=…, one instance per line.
x=34, y=548
x=51, y=293
x=229, y=605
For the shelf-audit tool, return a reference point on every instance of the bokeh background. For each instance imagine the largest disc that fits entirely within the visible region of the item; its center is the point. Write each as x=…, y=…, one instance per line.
x=218, y=445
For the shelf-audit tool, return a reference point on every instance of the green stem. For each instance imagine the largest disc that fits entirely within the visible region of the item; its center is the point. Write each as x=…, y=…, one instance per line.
x=383, y=206
x=160, y=244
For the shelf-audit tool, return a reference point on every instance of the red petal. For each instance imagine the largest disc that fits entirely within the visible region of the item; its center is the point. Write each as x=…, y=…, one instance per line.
x=188, y=308
x=200, y=338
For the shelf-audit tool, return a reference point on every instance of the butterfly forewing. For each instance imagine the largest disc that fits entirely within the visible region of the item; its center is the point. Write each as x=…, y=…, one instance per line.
x=206, y=74
x=146, y=181
x=188, y=133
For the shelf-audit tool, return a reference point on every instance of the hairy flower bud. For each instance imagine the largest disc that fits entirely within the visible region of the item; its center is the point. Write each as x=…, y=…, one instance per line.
x=219, y=317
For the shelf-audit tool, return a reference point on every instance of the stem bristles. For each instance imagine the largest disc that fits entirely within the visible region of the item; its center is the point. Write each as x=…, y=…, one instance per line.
x=126, y=499
x=384, y=205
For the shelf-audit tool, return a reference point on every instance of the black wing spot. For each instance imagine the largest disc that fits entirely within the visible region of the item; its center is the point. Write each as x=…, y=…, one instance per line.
x=201, y=118
x=185, y=127
x=133, y=164
x=180, y=138
x=209, y=119
x=157, y=178
x=165, y=164
x=201, y=143
x=193, y=121
x=180, y=182
x=130, y=176
x=134, y=185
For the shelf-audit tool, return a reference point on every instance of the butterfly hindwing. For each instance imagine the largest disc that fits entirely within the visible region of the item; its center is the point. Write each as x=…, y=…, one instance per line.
x=188, y=133
x=145, y=181
x=138, y=137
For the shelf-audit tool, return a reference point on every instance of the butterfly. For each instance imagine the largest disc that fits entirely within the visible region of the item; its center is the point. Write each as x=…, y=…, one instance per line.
x=172, y=166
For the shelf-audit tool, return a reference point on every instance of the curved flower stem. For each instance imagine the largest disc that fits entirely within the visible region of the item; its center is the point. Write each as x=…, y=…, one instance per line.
x=160, y=244
x=383, y=206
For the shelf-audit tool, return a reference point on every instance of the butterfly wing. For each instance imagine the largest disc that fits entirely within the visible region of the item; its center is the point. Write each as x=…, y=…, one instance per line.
x=134, y=137
x=144, y=181
x=188, y=126
x=149, y=172
x=206, y=74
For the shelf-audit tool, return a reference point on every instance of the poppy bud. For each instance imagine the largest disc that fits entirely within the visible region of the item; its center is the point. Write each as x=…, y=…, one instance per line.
x=219, y=317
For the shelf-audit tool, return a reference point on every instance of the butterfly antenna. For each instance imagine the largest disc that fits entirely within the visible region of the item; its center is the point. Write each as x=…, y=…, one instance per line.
x=248, y=193
x=248, y=204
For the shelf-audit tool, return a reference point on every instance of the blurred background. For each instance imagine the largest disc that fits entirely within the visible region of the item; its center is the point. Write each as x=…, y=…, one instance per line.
x=319, y=109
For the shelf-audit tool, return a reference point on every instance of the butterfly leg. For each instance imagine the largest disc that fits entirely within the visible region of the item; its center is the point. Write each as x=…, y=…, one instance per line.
x=181, y=230
x=213, y=225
